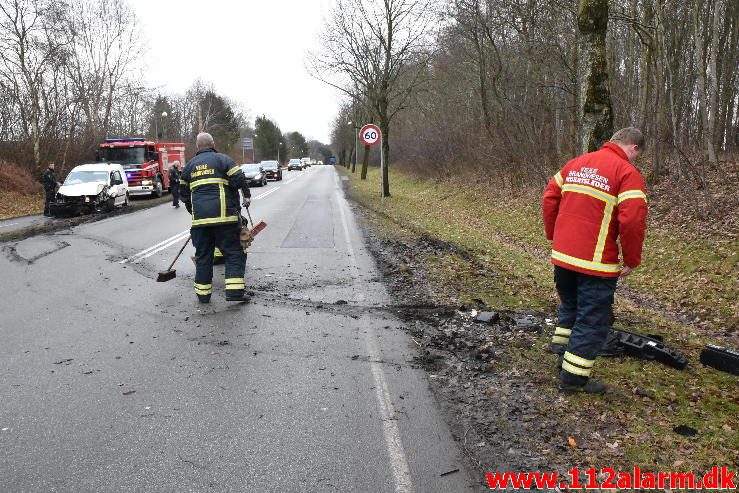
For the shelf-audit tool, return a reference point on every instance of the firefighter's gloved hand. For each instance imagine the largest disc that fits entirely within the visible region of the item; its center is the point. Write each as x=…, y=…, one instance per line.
x=246, y=202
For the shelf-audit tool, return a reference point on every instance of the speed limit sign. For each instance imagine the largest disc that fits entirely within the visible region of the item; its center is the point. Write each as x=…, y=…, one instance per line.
x=370, y=135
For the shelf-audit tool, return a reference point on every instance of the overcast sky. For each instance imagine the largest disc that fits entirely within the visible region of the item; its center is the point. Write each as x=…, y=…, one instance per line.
x=253, y=51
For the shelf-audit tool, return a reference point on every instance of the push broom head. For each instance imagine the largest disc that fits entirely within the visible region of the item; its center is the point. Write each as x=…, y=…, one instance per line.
x=167, y=275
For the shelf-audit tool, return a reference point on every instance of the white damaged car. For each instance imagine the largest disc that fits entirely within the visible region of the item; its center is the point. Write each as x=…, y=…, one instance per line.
x=92, y=188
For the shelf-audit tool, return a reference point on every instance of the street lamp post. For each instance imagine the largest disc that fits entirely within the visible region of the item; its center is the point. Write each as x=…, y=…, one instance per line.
x=278, y=152
x=253, y=146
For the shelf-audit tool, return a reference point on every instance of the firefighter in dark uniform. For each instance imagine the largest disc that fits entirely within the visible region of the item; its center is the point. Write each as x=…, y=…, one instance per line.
x=208, y=186
x=174, y=183
x=48, y=180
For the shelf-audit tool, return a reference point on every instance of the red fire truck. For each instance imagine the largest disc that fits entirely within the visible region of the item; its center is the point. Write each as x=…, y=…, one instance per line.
x=146, y=162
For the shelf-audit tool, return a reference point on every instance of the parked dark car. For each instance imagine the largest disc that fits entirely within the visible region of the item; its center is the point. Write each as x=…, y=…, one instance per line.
x=272, y=170
x=254, y=174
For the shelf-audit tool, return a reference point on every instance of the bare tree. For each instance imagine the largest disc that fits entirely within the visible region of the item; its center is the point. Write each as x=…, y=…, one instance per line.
x=377, y=52
x=30, y=49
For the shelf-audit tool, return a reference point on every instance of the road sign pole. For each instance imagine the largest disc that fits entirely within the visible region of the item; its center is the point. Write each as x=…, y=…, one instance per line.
x=382, y=174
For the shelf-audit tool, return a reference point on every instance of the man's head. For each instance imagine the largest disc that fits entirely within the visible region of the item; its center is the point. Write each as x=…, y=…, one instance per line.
x=204, y=140
x=51, y=165
x=176, y=165
x=631, y=140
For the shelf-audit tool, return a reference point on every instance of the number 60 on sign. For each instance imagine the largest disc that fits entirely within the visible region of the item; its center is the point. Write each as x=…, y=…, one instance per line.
x=370, y=135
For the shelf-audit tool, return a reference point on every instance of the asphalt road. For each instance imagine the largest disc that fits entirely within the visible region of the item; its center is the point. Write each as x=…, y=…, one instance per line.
x=111, y=381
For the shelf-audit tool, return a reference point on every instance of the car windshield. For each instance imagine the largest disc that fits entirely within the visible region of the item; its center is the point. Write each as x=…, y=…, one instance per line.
x=77, y=177
x=294, y=161
x=123, y=155
x=272, y=165
x=251, y=168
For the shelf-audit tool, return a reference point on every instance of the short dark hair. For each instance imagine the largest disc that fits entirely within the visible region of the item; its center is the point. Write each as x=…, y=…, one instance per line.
x=629, y=136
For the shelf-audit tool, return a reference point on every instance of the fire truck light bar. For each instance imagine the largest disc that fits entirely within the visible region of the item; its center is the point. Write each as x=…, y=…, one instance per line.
x=132, y=139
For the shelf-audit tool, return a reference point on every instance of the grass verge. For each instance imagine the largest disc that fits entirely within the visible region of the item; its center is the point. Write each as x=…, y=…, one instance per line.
x=685, y=291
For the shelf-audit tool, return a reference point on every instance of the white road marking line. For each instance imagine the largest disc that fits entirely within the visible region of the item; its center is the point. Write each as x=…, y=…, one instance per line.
x=144, y=252
x=163, y=247
x=7, y=225
x=393, y=441
x=261, y=195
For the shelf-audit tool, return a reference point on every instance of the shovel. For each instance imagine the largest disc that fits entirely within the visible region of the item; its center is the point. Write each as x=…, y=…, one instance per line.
x=170, y=274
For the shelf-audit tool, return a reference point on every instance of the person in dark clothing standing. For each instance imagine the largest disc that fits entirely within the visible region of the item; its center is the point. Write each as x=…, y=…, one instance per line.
x=174, y=183
x=209, y=186
x=48, y=180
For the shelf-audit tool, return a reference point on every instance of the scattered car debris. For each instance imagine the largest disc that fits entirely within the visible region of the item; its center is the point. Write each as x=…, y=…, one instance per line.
x=129, y=392
x=649, y=348
x=527, y=322
x=721, y=358
x=685, y=431
x=448, y=472
x=487, y=317
x=62, y=361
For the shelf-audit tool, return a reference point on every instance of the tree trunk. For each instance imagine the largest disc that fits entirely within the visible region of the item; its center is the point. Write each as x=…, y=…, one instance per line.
x=365, y=162
x=713, y=87
x=701, y=81
x=595, y=98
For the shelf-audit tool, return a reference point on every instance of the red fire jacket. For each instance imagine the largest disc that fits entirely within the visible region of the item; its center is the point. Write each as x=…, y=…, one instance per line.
x=595, y=199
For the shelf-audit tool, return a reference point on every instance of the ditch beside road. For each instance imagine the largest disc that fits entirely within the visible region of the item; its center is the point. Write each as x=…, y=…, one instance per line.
x=452, y=248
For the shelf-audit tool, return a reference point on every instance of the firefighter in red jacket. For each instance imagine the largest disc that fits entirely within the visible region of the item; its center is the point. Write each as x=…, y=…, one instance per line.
x=595, y=200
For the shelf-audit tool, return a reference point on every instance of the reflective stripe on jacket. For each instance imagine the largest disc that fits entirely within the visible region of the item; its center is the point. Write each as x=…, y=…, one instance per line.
x=209, y=186
x=594, y=200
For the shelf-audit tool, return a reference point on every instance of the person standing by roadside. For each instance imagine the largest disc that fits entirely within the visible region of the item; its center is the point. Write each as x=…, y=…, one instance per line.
x=595, y=200
x=50, y=183
x=174, y=183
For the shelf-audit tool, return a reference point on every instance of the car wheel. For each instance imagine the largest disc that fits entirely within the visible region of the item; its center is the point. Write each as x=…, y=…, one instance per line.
x=110, y=204
x=126, y=202
x=158, y=189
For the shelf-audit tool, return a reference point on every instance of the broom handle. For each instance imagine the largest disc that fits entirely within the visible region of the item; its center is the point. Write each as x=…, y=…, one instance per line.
x=250, y=219
x=180, y=252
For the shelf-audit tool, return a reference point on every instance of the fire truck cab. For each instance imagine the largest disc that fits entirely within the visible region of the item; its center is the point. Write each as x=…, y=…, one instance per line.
x=146, y=163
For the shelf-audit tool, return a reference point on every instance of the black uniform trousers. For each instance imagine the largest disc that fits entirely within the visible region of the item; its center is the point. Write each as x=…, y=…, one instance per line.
x=226, y=238
x=175, y=187
x=584, y=320
x=49, y=199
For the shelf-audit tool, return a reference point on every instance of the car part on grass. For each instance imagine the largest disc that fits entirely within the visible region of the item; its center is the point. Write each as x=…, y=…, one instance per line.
x=170, y=273
x=723, y=359
x=487, y=318
x=649, y=348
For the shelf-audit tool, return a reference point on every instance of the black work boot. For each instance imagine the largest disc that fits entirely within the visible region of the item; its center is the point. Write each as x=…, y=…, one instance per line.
x=203, y=298
x=592, y=386
x=236, y=296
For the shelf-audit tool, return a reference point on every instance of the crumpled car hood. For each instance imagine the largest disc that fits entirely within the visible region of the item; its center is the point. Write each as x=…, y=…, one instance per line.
x=80, y=189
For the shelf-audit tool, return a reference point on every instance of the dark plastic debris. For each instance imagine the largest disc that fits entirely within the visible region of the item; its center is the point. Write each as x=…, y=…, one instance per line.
x=723, y=359
x=685, y=431
x=487, y=318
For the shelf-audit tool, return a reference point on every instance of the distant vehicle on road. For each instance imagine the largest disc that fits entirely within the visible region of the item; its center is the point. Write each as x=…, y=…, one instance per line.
x=254, y=174
x=305, y=161
x=320, y=162
x=272, y=170
x=294, y=164
x=331, y=160
x=146, y=162
x=92, y=188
